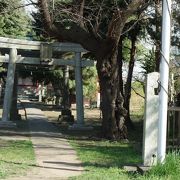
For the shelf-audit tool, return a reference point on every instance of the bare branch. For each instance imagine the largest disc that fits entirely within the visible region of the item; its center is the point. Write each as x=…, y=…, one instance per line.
x=72, y=33
x=133, y=7
x=81, y=12
x=120, y=17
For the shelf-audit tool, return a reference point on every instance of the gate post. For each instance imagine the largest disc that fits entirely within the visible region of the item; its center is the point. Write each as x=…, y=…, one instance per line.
x=79, y=89
x=79, y=125
x=9, y=89
x=150, y=130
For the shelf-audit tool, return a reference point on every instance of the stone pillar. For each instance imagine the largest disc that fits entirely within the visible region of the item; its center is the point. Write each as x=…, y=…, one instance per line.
x=150, y=131
x=79, y=96
x=14, y=109
x=79, y=90
x=9, y=87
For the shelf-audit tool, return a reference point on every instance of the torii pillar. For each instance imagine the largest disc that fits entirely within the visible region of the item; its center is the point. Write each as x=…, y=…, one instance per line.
x=79, y=125
x=9, y=90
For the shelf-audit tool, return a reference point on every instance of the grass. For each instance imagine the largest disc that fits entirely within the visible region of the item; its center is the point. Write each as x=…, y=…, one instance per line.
x=167, y=171
x=16, y=157
x=137, y=108
x=104, y=159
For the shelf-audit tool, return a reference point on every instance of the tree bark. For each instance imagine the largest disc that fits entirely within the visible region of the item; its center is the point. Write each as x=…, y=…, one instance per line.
x=58, y=93
x=113, y=112
x=120, y=64
x=129, y=82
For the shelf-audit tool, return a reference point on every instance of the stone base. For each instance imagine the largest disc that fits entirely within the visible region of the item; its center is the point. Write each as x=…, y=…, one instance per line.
x=7, y=124
x=143, y=169
x=137, y=168
x=130, y=168
x=80, y=127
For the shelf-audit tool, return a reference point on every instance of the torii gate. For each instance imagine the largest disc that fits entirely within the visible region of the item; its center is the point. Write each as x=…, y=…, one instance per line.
x=46, y=50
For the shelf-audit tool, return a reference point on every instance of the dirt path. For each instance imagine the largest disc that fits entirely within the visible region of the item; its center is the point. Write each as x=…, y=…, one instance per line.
x=55, y=158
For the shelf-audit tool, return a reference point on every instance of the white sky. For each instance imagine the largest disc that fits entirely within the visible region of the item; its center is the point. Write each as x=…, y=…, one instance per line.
x=29, y=8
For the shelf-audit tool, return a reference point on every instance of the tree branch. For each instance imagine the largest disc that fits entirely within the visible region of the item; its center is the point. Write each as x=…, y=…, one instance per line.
x=72, y=33
x=120, y=17
x=133, y=7
x=81, y=12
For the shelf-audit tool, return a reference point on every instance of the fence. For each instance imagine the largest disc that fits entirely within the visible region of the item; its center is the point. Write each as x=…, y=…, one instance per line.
x=173, y=128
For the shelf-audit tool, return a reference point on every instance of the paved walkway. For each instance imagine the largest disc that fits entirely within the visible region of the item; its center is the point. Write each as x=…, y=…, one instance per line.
x=55, y=158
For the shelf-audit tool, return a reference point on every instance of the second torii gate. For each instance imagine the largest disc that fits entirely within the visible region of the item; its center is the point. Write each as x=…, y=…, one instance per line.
x=46, y=58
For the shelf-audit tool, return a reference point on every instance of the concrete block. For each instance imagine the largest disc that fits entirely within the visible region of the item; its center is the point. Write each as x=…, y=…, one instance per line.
x=143, y=169
x=150, y=131
x=130, y=168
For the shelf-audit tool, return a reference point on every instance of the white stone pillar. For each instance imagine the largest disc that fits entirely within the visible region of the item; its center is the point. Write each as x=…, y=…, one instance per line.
x=79, y=89
x=9, y=85
x=79, y=125
x=150, y=131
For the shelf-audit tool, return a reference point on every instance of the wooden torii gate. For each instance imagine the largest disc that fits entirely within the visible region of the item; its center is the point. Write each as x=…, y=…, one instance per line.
x=46, y=58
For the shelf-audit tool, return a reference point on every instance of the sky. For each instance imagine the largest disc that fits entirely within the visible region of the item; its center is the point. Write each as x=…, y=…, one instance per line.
x=29, y=8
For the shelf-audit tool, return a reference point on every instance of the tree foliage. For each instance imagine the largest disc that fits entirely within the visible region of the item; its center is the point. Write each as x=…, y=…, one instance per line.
x=176, y=24
x=14, y=21
x=90, y=82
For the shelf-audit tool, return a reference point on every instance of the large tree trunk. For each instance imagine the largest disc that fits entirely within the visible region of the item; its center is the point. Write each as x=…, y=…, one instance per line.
x=120, y=64
x=129, y=82
x=113, y=112
x=57, y=91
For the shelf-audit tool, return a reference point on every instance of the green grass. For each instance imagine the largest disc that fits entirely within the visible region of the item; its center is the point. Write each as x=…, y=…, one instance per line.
x=104, y=159
x=167, y=171
x=16, y=157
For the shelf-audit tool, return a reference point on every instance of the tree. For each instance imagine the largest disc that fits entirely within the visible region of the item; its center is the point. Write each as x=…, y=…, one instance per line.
x=14, y=22
x=90, y=82
x=176, y=23
x=132, y=35
x=153, y=28
x=85, y=23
